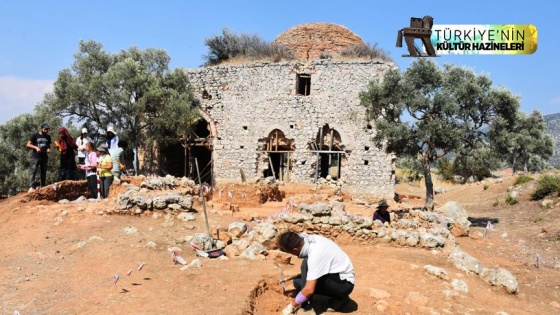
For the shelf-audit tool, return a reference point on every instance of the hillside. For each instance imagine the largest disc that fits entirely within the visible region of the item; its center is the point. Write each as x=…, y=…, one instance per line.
x=553, y=128
x=62, y=258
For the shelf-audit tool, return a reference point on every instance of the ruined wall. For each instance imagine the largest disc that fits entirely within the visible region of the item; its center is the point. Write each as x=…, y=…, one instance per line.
x=247, y=102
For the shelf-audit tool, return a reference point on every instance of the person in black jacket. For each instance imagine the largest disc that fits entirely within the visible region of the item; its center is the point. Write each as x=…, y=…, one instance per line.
x=382, y=214
x=40, y=143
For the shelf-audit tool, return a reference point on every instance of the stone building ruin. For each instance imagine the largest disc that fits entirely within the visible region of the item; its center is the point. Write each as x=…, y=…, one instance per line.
x=298, y=121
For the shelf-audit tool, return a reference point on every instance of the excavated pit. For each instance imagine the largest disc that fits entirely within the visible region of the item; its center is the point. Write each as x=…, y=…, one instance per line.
x=267, y=297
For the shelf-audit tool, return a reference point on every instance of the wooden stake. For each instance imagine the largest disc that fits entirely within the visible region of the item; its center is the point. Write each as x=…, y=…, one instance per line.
x=203, y=203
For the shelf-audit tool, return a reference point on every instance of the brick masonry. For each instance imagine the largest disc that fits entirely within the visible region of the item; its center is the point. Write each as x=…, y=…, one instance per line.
x=310, y=41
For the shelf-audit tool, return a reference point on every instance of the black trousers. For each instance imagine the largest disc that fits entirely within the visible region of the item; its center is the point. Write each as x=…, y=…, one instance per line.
x=92, y=184
x=39, y=164
x=329, y=285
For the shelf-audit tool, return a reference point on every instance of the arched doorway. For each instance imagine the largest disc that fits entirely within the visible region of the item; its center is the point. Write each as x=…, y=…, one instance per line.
x=278, y=150
x=329, y=149
x=178, y=158
x=198, y=150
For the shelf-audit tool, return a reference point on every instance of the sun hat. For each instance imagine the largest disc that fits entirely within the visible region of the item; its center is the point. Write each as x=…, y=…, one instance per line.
x=110, y=129
x=84, y=130
x=383, y=204
x=103, y=148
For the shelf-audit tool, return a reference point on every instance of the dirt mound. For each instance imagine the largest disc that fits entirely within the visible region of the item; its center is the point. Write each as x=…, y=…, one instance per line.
x=63, y=258
x=67, y=189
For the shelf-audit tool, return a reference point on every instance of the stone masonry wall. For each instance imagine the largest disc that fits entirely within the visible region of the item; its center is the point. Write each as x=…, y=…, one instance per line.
x=246, y=102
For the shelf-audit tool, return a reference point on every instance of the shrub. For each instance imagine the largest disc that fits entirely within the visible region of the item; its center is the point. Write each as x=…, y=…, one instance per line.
x=408, y=169
x=522, y=179
x=250, y=46
x=325, y=55
x=445, y=169
x=486, y=186
x=496, y=202
x=547, y=185
x=510, y=200
x=365, y=51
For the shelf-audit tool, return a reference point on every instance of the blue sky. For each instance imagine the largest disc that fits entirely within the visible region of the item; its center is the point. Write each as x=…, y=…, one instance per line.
x=39, y=38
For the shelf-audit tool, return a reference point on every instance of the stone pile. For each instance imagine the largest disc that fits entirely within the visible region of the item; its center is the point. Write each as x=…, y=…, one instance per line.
x=158, y=193
x=431, y=230
x=426, y=229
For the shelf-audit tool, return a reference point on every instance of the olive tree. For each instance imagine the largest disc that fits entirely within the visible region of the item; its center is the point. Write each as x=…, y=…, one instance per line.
x=134, y=90
x=527, y=145
x=429, y=111
x=15, y=161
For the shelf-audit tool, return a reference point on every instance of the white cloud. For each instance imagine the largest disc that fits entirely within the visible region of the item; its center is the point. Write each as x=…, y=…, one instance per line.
x=19, y=95
x=555, y=100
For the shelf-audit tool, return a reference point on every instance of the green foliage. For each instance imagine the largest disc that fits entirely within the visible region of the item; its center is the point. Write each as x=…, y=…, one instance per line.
x=525, y=143
x=410, y=169
x=365, y=50
x=229, y=45
x=478, y=162
x=134, y=90
x=547, y=185
x=445, y=108
x=522, y=179
x=15, y=162
x=510, y=200
x=445, y=169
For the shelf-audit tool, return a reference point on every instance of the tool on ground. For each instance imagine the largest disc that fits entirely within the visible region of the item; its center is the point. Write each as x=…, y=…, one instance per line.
x=282, y=280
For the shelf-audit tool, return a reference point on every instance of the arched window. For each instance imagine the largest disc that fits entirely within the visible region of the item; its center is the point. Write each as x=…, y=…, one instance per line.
x=329, y=148
x=278, y=150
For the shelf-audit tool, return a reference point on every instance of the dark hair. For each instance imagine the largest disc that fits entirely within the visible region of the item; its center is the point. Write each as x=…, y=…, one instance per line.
x=122, y=144
x=89, y=143
x=288, y=241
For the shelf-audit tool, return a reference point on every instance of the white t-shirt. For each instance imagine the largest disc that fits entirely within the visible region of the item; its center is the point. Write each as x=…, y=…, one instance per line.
x=325, y=257
x=81, y=143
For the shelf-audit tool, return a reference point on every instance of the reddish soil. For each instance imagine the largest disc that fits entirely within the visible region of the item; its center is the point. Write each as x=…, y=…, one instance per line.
x=58, y=258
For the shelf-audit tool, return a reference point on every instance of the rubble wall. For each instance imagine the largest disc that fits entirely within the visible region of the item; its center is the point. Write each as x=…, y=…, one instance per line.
x=247, y=102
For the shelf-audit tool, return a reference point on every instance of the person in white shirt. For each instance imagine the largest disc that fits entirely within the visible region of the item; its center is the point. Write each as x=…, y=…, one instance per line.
x=81, y=142
x=327, y=274
x=112, y=138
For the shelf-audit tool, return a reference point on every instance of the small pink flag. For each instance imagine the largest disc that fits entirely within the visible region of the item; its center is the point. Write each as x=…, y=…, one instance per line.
x=115, y=279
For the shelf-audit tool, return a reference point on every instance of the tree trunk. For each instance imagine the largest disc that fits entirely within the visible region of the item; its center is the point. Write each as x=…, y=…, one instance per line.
x=513, y=169
x=429, y=186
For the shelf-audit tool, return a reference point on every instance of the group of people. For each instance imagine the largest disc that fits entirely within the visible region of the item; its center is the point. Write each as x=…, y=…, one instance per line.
x=107, y=158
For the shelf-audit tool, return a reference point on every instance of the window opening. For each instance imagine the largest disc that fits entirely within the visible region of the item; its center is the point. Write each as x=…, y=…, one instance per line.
x=303, y=84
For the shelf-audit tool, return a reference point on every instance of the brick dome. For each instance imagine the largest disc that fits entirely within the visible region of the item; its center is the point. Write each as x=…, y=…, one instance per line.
x=311, y=40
